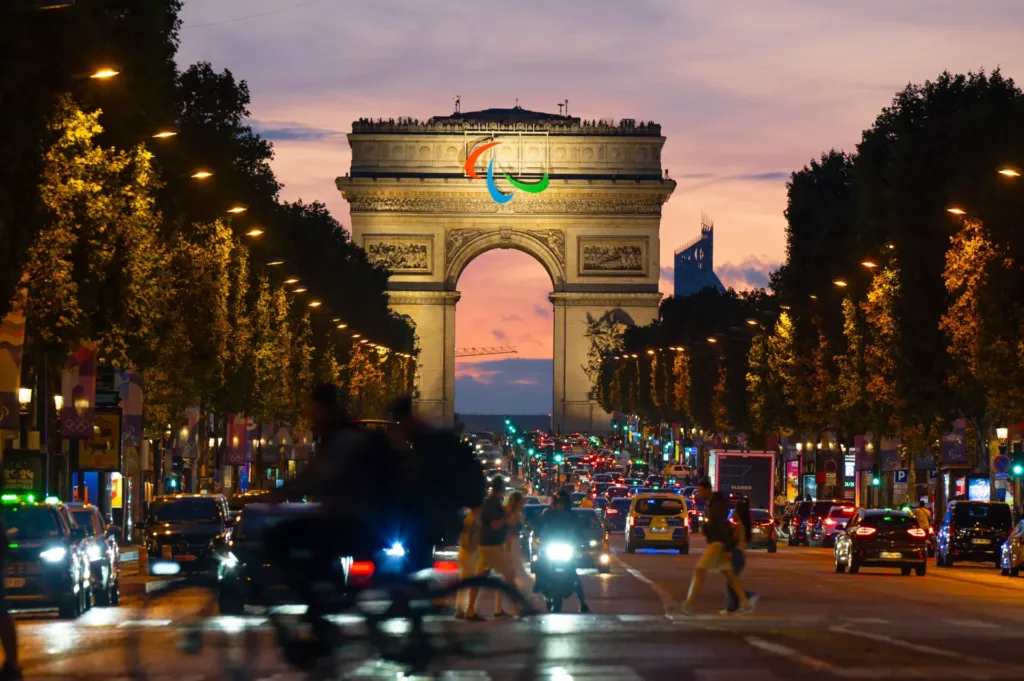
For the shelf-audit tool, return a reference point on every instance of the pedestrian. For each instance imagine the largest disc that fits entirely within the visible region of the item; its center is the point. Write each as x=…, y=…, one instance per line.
x=469, y=540
x=11, y=671
x=743, y=529
x=716, y=558
x=513, y=543
x=491, y=549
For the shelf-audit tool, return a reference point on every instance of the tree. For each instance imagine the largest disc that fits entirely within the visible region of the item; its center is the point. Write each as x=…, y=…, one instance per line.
x=719, y=409
x=851, y=373
x=881, y=348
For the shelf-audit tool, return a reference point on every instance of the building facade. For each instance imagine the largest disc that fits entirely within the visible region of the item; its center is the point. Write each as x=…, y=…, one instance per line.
x=694, y=262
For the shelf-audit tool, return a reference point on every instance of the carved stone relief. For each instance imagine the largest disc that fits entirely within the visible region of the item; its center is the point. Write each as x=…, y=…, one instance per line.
x=456, y=239
x=613, y=257
x=400, y=255
x=555, y=241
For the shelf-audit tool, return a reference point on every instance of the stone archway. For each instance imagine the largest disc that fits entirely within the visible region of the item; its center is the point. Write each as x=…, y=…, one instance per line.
x=594, y=229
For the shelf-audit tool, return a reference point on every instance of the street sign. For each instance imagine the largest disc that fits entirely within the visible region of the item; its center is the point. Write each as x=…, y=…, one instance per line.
x=1001, y=464
x=901, y=476
x=831, y=466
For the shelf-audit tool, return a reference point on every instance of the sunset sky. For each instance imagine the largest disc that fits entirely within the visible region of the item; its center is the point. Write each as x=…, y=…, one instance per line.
x=746, y=91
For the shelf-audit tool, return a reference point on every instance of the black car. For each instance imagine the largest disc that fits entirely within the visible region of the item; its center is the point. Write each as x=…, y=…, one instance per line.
x=804, y=517
x=616, y=512
x=46, y=563
x=102, y=552
x=244, y=563
x=882, y=538
x=826, y=528
x=184, y=531
x=973, y=530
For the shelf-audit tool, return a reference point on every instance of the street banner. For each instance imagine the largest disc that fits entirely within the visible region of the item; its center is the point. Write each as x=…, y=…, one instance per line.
x=101, y=451
x=128, y=384
x=891, y=460
x=924, y=460
x=865, y=459
x=270, y=450
x=237, y=440
x=954, y=445
x=12, y=345
x=78, y=387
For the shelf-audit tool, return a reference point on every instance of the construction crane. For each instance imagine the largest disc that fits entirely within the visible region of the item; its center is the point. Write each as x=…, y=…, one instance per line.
x=479, y=352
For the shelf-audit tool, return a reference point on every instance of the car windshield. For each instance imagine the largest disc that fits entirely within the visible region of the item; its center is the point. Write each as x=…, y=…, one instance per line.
x=84, y=520
x=889, y=520
x=841, y=512
x=203, y=510
x=531, y=512
x=30, y=522
x=620, y=504
x=659, y=506
x=588, y=519
x=823, y=507
x=992, y=515
x=759, y=515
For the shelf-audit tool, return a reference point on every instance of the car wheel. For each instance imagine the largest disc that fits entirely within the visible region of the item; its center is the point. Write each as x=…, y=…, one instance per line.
x=1015, y=571
x=921, y=569
x=1005, y=572
x=684, y=550
x=68, y=608
x=905, y=571
x=854, y=567
x=840, y=568
x=940, y=560
x=792, y=541
x=630, y=548
x=773, y=547
x=554, y=605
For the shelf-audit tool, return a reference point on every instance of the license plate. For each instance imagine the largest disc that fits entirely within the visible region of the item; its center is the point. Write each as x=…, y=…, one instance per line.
x=659, y=530
x=981, y=541
x=14, y=582
x=891, y=554
x=184, y=559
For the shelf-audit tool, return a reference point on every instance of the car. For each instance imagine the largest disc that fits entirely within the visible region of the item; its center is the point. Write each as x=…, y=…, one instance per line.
x=881, y=538
x=183, y=532
x=830, y=526
x=602, y=478
x=657, y=520
x=243, y=560
x=616, y=512
x=47, y=566
x=1013, y=552
x=616, y=491
x=973, y=530
x=102, y=552
x=654, y=482
x=594, y=550
x=806, y=514
x=762, y=534
x=676, y=470
x=239, y=500
x=598, y=489
x=633, y=482
x=492, y=473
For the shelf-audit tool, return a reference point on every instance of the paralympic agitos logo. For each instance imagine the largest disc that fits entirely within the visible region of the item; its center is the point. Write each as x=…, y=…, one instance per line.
x=496, y=194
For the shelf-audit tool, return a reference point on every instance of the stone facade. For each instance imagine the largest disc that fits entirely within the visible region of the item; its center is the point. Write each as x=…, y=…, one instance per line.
x=595, y=231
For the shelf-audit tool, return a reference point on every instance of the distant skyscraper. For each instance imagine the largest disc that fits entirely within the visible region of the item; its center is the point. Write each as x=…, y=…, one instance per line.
x=694, y=262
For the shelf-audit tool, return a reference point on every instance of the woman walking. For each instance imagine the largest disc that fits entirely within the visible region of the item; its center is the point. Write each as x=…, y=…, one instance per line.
x=743, y=528
x=513, y=542
x=468, y=541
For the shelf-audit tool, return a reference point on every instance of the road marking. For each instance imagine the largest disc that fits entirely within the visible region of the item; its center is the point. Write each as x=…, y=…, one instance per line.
x=985, y=673
x=907, y=645
x=788, y=653
x=667, y=602
x=970, y=624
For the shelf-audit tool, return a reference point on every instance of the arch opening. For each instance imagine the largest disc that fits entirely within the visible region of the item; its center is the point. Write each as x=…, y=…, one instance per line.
x=538, y=248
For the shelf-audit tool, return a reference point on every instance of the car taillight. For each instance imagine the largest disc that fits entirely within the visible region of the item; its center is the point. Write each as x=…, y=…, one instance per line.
x=612, y=511
x=829, y=521
x=360, y=573
x=686, y=522
x=446, y=566
x=865, y=531
x=916, y=532
x=931, y=531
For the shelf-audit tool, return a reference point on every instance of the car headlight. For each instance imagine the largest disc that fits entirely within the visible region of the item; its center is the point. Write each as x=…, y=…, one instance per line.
x=396, y=550
x=93, y=552
x=230, y=561
x=559, y=552
x=54, y=555
x=593, y=542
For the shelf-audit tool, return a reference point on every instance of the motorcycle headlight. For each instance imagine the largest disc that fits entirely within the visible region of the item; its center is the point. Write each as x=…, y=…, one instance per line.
x=396, y=550
x=93, y=552
x=230, y=561
x=54, y=555
x=593, y=542
x=559, y=552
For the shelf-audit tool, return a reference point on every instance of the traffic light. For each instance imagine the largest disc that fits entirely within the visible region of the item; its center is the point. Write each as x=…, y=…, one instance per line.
x=875, y=481
x=558, y=458
x=532, y=452
x=1017, y=461
x=519, y=440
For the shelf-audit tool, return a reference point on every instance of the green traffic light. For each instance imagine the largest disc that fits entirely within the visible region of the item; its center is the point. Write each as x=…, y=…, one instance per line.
x=875, y=482
x=532, y=451
x=519, y=440
x=1018, y=469
x=558, y=458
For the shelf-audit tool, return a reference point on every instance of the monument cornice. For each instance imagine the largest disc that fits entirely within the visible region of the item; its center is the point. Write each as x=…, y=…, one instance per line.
x=610, y=300
x=404, y=297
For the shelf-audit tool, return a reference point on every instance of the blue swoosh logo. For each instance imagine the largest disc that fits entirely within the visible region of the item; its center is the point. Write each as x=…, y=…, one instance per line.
x=493, y=189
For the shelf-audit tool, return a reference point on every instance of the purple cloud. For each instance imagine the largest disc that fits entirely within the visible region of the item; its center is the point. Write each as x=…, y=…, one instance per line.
x=499, y=335
x=749, y=273
x=542, y=311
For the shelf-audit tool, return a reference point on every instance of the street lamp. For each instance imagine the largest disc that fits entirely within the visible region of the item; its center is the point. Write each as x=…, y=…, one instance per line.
x=712, y=339
x=1009, y=172
x=275, y=263
x=291, y=280
x=869, y=264
x=301, y=289
x=1003, y=433
x=254, y=232
x=201, y=174
x=314, y=303
x=237, y=209
x=164, y=134
x=342, y=326
x=956, y=210
x=104, y=73
x=840, y=283
x=24, y=399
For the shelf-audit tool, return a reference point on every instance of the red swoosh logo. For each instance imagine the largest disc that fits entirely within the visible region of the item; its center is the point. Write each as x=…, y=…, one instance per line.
x=474, y=155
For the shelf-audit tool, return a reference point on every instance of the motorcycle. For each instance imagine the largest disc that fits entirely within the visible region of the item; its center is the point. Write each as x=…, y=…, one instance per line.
x=555, y=567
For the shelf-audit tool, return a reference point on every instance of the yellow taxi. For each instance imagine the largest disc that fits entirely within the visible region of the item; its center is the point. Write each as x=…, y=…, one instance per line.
x=657, y=521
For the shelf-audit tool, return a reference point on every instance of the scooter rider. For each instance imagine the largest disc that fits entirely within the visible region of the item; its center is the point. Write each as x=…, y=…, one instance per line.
x=559, y=521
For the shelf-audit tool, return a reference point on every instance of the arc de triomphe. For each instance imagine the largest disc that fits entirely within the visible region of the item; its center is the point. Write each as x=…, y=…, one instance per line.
x=583, y=198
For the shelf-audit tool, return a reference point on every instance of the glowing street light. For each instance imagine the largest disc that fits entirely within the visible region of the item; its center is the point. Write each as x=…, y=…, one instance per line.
x=650, y=352
x=314, y=303
x=104, y=74
x=840, y=283
x=956, y=210
x=291, y=280
x=364, y=341
x=752, y=322
x=357, y=335
x=301, y=289
x=164, y=134
x=712, y=340
x=869, y=264
x=201, y=174
x=275, y=263
x=254, y=232
x=342, y=326
x=237, y=209
x=1009, y=172
x=813, y=297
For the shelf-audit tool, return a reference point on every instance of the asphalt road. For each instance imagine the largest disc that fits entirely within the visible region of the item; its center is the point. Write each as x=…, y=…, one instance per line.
x=961, y=623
